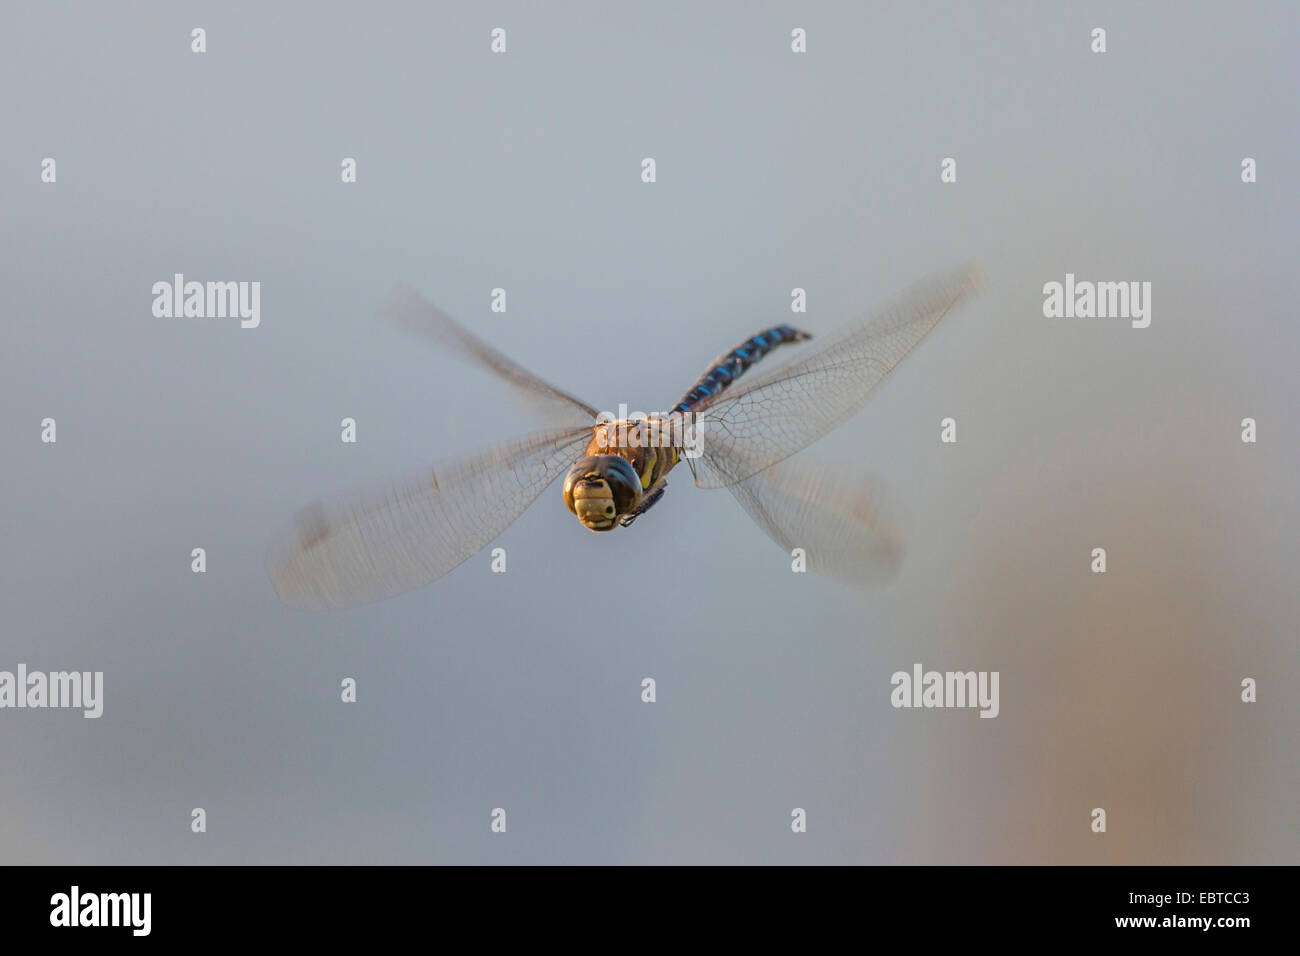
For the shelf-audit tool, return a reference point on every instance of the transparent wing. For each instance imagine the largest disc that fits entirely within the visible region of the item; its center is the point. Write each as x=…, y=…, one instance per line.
x=848, y=525
x=764, y=420
x=370, y=546
x=405, y=306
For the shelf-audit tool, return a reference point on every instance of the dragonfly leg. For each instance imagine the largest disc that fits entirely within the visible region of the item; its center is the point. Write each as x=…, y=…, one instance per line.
x=646, y=504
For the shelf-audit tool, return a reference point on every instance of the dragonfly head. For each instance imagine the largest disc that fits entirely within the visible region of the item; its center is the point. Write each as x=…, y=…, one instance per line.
x=600, y=489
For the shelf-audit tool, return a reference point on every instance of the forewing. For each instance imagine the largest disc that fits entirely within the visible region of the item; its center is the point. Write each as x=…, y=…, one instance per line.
x=365, y=547
x=410, y=311
x=764, y=420
x=847, y=524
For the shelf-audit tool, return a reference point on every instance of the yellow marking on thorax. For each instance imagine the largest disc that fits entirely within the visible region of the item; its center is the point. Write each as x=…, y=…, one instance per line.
x=650, y=463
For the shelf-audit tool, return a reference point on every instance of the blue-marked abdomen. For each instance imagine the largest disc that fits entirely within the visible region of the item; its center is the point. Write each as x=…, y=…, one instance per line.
x=727, y=368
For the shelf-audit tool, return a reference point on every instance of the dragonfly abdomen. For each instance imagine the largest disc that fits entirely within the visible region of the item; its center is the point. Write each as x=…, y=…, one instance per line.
x=727, y=368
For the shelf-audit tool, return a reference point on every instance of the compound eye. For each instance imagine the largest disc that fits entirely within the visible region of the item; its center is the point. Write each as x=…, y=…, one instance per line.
x=623, y=482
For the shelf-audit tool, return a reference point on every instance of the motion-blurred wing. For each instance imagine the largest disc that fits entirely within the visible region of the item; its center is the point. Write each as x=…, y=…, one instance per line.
x=764, y=420
x=405, y=306
x=847, y=524
x=367, y=547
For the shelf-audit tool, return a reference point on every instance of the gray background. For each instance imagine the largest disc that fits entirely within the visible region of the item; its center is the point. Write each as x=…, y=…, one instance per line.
x=776, y=170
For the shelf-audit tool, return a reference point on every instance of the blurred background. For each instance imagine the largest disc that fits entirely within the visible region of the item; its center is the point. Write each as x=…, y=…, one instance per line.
x=775, y=170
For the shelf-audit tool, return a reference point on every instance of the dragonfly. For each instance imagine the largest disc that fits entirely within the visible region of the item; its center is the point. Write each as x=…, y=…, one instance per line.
x=738, y=435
